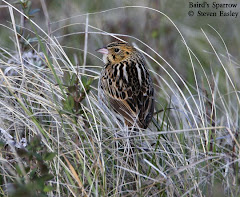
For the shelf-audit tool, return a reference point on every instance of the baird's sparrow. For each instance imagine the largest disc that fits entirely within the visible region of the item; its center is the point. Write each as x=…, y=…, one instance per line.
x=125, y=85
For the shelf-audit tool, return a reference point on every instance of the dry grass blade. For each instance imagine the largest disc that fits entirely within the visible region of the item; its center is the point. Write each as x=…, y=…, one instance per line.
x=76, y=176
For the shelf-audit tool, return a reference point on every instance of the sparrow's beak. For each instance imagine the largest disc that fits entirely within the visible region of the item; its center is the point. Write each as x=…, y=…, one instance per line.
x=103, y=50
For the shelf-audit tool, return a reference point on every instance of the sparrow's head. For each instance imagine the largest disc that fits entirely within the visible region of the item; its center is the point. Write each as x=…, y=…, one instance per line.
x=116, y=52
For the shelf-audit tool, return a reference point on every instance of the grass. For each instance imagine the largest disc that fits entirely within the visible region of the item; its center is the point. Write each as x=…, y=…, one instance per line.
x=74, y=148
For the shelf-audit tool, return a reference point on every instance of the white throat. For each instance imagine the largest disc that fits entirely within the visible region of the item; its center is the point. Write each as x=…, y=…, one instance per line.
x=105, y=58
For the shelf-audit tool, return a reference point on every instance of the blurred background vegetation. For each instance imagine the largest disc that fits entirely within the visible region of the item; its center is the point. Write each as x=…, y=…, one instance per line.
x=67, y=20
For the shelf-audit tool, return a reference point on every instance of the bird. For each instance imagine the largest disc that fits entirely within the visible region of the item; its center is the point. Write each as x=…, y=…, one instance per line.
x=125, y=86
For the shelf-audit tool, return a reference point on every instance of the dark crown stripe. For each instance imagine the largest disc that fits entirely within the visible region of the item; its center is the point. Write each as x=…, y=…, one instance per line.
x=116, y=44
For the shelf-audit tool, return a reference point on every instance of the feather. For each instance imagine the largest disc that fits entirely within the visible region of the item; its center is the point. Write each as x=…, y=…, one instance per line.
x=126, y=86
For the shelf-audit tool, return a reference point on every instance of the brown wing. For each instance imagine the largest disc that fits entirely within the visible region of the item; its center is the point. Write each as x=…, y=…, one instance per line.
x=146, y=105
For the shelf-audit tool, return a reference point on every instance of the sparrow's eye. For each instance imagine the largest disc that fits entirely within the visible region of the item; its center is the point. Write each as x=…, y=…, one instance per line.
x=116, y=50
